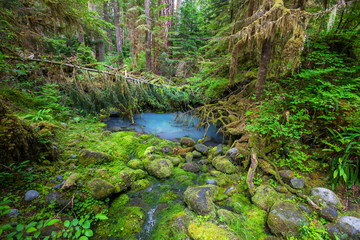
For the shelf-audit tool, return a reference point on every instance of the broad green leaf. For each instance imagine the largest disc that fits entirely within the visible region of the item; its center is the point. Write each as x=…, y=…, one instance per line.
x=101, y=216
x=86, y=224
x=31, y=229
x=89, y=233
x=78, y=233
x=67, y=223
x=32, y=224
x=37, y=234
x=51, y=222
x=19, y=227
x=83, y=238
x=40, y=224
x=74, y=222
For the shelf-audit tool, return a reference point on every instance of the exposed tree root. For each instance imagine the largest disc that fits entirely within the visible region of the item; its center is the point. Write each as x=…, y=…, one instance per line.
x=251, y=172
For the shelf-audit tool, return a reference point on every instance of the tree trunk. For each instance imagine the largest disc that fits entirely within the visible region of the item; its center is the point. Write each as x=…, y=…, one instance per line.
x=80, y=35
x=148, y=36
x=108, y=30
x=264, y=64
x=167, y=11
x=100, y=50
x=118, y=32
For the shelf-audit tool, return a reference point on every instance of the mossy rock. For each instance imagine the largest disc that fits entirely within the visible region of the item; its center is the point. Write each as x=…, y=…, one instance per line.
x=326, y=197
x=209, y=231
x=161, y=168
x=265, y=197
x=88, y=157
x=18, y=139
x=191, y=167
x=135, y=164
x=172, y=223
x=100, y=188
x=140, y=185
x=127, y=223
x=346, y=228
x=175, y=160
x=200, y=199
x=188, y=142
x=227, y=216
x=285, y=219
x=183, y=177
x=224, y=165
x=118, y=204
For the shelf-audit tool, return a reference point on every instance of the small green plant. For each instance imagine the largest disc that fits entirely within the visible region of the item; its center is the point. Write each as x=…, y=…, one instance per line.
x=77, y=229
x=345, y=161
x=41, y=115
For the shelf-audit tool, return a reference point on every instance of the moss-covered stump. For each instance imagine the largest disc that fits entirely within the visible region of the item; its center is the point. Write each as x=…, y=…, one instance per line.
x=88, y=157
x=18, y=140
x=209, y=231
x=285, y=219
x=128, y=222
x=345, y=228
x=200, y=199
x=265, y=197
x=100, y=188
x=224, y=165
x=160, y=168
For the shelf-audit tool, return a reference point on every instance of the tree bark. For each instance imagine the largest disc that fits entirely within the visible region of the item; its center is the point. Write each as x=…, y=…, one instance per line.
x=100, y=50
x=264, y=64
x=80, y=35
x=108, y=30
x=118, y=32
x=167, y=11
x=148, y=36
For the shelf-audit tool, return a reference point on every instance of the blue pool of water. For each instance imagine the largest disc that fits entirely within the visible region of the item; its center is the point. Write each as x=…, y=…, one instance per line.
x=165, y=126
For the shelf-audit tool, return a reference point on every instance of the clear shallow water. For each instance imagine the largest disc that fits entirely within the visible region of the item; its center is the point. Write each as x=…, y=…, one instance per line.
x=165, y=126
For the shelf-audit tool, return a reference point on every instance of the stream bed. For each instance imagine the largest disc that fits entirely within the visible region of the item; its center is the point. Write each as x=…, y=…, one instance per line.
x=165, y=126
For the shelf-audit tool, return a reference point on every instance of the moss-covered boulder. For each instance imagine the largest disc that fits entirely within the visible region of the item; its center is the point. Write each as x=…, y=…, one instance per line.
x=202, y=148
x=345, y=228
x=191, y=167
x=326, y=197
x=140, y=185
x=209, y=231
x=19, y=141
x=188, y=142
x=200, y=199
x=88, y=157
x=135, y=164
x=161, y=168
x=265, y=197
x=285, y=219
x=224, y=165
x=175, y=160
x=100, y=188
x=127, y=223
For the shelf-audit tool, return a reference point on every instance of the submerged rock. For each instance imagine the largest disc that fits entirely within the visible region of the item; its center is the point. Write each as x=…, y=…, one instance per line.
x=100, y=188
x=326, y=197
x=191, y=167
x=224, y=165
x=188, y=142
x=285, y=219
x=209, y=231
x=161, y=168
x=31, y=195
x=346, y=227
x=202, y=148
x=265, y=197
x=200, y=199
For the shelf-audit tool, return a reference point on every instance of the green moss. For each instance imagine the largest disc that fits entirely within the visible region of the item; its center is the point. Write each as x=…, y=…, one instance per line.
x=140, y=185
x=224, y=165
x=183, y=177
x=172, y=223
x=135, y=164
x=118, y=204
x=209, y=231
x=168, y=197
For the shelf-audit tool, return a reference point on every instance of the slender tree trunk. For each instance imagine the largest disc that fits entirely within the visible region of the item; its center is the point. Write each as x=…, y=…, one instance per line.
x=167, y=11
x=264, y=64
x=100, y=50
x=80, y=35
x=118, y=32
x=148, y=36
x=108, y=30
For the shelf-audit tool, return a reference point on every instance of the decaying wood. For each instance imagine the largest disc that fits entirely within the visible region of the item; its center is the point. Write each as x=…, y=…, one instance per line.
x=251, y=172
